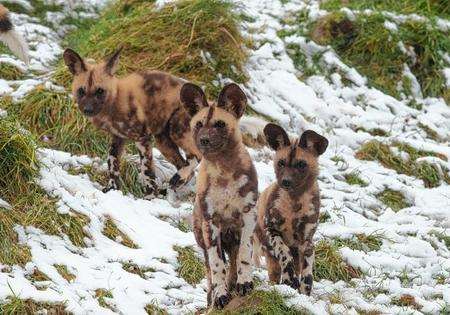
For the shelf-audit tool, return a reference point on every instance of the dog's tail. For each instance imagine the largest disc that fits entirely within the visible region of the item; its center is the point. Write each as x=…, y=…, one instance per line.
x=11, y=37
x=252, y=129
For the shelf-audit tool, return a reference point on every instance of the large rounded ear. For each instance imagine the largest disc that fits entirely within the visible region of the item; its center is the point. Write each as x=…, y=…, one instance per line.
x=112, y=62
x=276, y=137
x=193, y=98
x=233, y=100
x=313, y=141
x=73, y=61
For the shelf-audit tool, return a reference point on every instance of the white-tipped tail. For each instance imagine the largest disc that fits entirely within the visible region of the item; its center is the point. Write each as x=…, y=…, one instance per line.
x=16, y=44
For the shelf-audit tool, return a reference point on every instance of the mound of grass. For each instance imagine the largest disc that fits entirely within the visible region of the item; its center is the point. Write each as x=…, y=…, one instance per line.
x=190, y=267
x=362, y=242
x=330, y=265
x=152, y=309
x=421, y=7
x=102, y=295
x=10, y=72
x=354, y=178
x=259, y=302
x=195, y=39
x=64, y=272
x=15, y=305
x=377, y=151
x=55, y=119
x=367, y=45
x=133, y=268
x=111, y=231
x=393, y=199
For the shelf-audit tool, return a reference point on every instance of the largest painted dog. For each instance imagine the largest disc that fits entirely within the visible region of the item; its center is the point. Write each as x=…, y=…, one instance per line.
x=227, y=190
x=138, y=107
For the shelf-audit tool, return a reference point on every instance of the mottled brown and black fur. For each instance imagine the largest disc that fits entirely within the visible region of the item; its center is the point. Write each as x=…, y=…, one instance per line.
x=288, y=210
x=139, y=107
x=227, y=190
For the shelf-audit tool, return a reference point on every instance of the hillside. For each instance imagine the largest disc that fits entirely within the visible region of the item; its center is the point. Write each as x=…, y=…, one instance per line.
x=372, y=76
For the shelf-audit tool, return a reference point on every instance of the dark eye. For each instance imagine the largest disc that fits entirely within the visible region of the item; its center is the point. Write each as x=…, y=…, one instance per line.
x=198, y=125
x=301, y=164
x=281, y=163
x=99, y=92
x=81, y=92
x=219, y=124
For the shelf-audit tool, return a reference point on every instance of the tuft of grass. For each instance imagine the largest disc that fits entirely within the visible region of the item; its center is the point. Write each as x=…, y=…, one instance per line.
x=194, y=39
x=376, y=132
x=152, y=309
x=111, y=231
x=102, y=295
x=55, y=119
x=367, y=45
x=64, y=272
x=190, y=267
x=406, y=300
x=442, y=237
x=10, y=72
x=354, y=178
x=133, y=268
x=16, y=305
x=421, y=7
x=259, y=302
x=430, y=132
x=393, y=199
x=324, y=217
x=362, y=242
x=377, y=151
x=330, y=265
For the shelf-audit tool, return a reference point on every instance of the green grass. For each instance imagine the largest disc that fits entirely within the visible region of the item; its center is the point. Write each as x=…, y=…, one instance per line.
x=377, y=151
x=102, y=295
x=429, y=8
x=64, y=272
x=432, y=134
x=362, y=242
x=15, y=305
x=393, y=199
x=133, y=268
x=55, y=119
x=442, y=237
x=259, y=302
x=367, y=45
x=111, y=231
x=153, y=309
x=354, y=178
x=330, y=265
x=190, y=267
x=173, y=39
x=10, y=72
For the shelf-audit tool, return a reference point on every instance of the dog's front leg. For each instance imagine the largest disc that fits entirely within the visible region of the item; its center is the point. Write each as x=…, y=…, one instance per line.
x=115, y=152
x=244, y=280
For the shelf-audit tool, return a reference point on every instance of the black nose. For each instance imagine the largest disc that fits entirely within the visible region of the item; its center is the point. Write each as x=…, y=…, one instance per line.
x=88, y=111
x=204, y=141
x=286, y=183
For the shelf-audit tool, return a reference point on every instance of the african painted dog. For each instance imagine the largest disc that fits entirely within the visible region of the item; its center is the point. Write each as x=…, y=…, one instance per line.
x=227, y=190
x=288, y=210
x=138, y=107
x=10, y=37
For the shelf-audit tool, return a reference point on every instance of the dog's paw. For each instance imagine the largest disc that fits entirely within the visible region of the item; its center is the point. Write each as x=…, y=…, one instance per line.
x=176, y=181
x=244, y=288
x=293, y=282
x=221, y=301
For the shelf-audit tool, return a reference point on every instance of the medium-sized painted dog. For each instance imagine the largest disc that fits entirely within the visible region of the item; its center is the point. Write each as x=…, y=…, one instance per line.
x=139, y=107
x=288, y=210
x=227, y=191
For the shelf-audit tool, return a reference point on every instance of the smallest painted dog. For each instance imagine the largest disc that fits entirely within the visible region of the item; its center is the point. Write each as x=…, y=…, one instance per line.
x=227, y=190
x=288, y=210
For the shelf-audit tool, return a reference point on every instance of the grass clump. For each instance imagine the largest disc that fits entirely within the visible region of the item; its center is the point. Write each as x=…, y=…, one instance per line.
x=194, y=39
x=393, y=199
x=406, y=300
x=152, y=309
x=330, y=265
x=377, y=151
x=111, y=231
x=354, y=178
x=362, y=242
x=55, y=119
x=133, y=268
x=102, y=295
x=16, y=305
x=10, y=72
x=259, y=302
x=367, y=45
x=190, y=267
x=64, y=272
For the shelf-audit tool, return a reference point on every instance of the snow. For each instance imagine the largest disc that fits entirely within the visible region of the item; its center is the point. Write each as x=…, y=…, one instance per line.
x=409, y=261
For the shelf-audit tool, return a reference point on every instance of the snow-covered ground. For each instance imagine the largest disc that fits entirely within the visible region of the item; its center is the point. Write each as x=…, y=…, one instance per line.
x=411, y=257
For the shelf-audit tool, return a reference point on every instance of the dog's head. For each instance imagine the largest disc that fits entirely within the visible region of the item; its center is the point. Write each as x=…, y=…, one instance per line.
x=296, y=162
x=94, y=84
x=214, y=126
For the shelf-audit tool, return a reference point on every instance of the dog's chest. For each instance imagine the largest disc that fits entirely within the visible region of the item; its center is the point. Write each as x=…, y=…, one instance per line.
x=224, y=196
x=127, y=129
x=293, y=219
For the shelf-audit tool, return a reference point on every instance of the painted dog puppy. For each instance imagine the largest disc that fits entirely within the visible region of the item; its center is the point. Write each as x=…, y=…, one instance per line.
x=227, y=190
x=138, y=107
x=288, y=210
x=10, y=37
